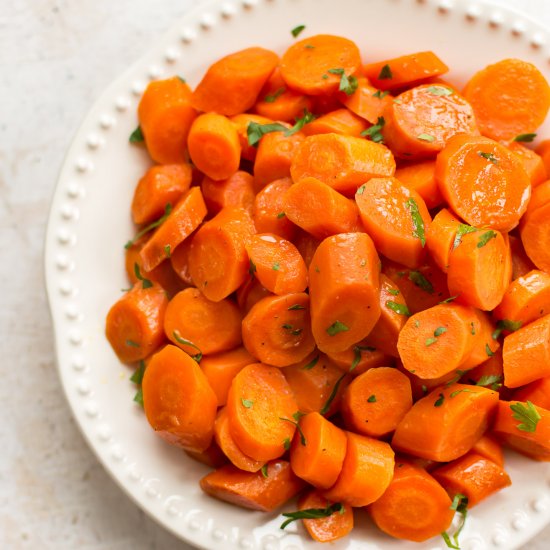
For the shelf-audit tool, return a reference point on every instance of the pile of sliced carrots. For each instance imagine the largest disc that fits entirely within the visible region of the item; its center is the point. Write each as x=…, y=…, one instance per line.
x=341, y=282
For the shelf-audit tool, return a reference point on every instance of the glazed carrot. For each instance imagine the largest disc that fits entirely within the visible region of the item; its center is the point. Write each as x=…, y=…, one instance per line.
x=134, y=323
x=277, y=329
x=199, y=326
x=414, y=507
x=521, y=264
x=526, y=353
x=307, y=244
x=543, y=150
x=490, y=373
x=179, y=260
x=305, y=199
x=539, y=198
x=509, y=98
x=441, y=237
x=538, y=392
x=221, y=368
x=212, y=457
x=483, y=182
x=320, y=461
x=412, y=131
x=178, y=401
x=486, y=343
x=317, y=65
x=165, y=117
x=343, y=162
x=241, y=122
x=362, y=357
x=524, y=427
x=232, y=84
x=420, y=177
x=366, y=102
x=214, y=146
x=344, y=287
x=253, y=490
x=326, y=529
x=184, y=218
x=446, y=423
x=226, y=443
x=396, y=218
x=258, y=401
x=237, y=190
x=533, y=164
x=366, y=472
x=218, y=260
x=250, y=293
x=269, y=214
x=405, y=71
x=376, y=401
x=535, y=236
x=161, y=185
x=277, y=264
x=341, y=121
x=324, y=104
x=421, y=387
x=488, y=447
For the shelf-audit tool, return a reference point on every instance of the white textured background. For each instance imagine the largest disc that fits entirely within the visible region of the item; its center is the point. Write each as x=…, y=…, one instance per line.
x=56, y=57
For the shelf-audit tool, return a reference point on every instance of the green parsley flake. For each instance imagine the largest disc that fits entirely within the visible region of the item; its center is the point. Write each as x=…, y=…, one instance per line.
x=418, y=222
x=311, y=364
x=439, y=400
x=153, y=225
x=489, y=156
x=380, y=94
x=385, y=73
x=420, y=281
x=506, y=324
x=136, y=136
x=527, y=414
x=372, y=399
x=273, y=97
x=440, y=90
x=526, y=138
x=401, y=309
x=463, y=229
x=374, y=132
x=247, y=402
x=426, y=137
x=297, y=30
x=336, y=328
x=485, y=238
x=312, y=513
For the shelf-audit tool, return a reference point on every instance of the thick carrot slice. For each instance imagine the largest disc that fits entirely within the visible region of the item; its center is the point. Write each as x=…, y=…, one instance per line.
x=488, y=447
x=305, y=199
x=376, y=401
x=344, y=287
x=509, y=98
x=526, y=353
x=414, y=507
x=161, y=185
x=361, y=357
x=199, y=326
x=277, y=329
x=320, y=460
x=446, y=423
x=412, y=131
x=250, y=293
x=343, y=162
x=539, y=197
x=366, y=472
x=232, y=84
x=490, y=371
x=485, y=346
x=134, y=323
x=241, y=122
x=405, y=71
x=420, y=177
x=218, y=260
x=214, y=146
x=277, y=263
x=258, y=401
x=340, y=121
x=307, y=244
x=538, y=392
x=535, y=236
x=441, y=237
x=237, y=190
x=184, y=218
x=253, y=490
x=396, y=218
x=316, y=65
x=165, y=117
x=533, y=164
x=521, y=264
x=212, y=457
x=179, y=260
x=179, y=403
x=366, y=102
x=483, y=182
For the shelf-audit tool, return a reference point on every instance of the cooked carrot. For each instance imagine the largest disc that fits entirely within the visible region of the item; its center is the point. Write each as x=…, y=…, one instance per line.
x=324, y=104
x=318, y=64
x=421, y=387
x=414, y=507
x=441, y=237
x=376, y=401
x=533, y=164
x=305, y=199
x=232, y=84
x=490, y=373
x=326, y=529
x=307, y=244
x=134, y=323
x=212, y=457
x=509, y=98
x=237, y=190
x=420, y=177
x=361, y=357
x=165, y=117
x=253, y=490
x=366, y=102
x=179, y=260
x=535, y=236
x=446, y=423
x=221, y=368
x=539, y=198
x=343, y=162
x=396, y=218
x=488, y=447
x=320, y=461
x=366, y=472
x=543, y=150
x=521, y=264
x=412, y=131
x=483, y=182
x=277, y=264
x=218, y=260
x=199, y=326
x=184, y=218
x=405, y=71
x=241, y=122
x=538, y=392
x=277, y=329
x=340, y=121
x=229, y=447
x=486, y=343
x=258, y=402
x=344, y=287
x=214, y=146
x=526, y=353
x=178, y=401
x=250, y=293
x=161, y=185
x=524, y=427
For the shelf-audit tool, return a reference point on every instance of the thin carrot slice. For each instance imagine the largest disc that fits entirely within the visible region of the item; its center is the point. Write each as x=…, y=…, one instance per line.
x=488, y=447
x=533, y=164
x=521, y=264
x=340, y=121
x=441, y=237
x=420, y=177
x=538, y=392
x=366, y=102
x=241, y=122
x=237, y=190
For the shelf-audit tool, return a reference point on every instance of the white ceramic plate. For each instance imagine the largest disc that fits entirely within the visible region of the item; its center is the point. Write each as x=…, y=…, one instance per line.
x=90, y=222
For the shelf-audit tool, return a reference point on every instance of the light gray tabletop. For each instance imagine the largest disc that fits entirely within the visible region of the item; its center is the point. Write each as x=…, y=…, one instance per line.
x=56, y=57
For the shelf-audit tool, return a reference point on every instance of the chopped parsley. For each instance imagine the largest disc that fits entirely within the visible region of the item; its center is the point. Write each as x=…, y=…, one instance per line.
x=417, y=220
x=385, y=73
x=312, y=513
x=348, y=85
x=153, y=225
x=311, y=364
x=145, y=283
x=440, y=90
x=485, y=238
x=489, y=156
x=401, y=309
x=506, y=324
x=177, y=337
x=380, y=94
x=463, y=229
x=273, y=97
x=336, y=328
x=526, y=138
x=297, y=30
x=420, y=281
x=374, y=132
x=136, y=136
x=372, y=399
x=439, y=400
x=527, y=414
x=426, y=137
x=247, y=403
